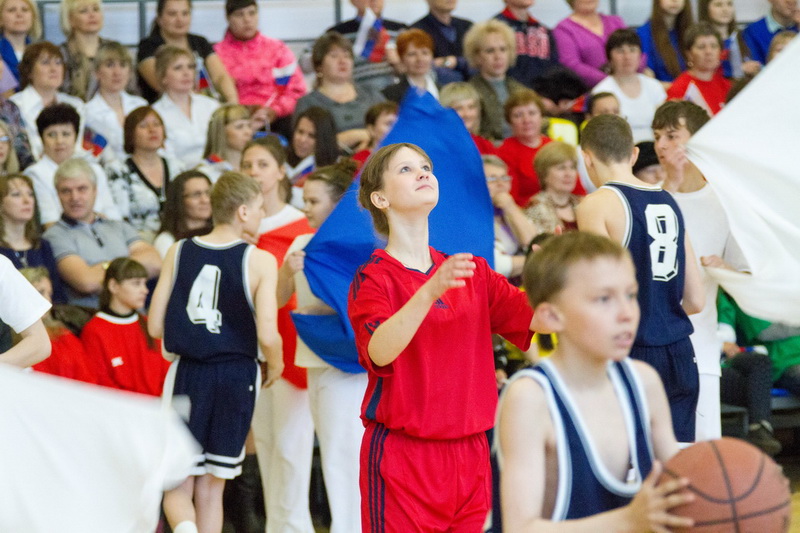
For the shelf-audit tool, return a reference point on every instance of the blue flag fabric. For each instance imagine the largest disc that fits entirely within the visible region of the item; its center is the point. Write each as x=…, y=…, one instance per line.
x=461, y=222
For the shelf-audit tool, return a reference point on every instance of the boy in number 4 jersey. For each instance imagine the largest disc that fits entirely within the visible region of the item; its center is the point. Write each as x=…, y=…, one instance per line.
x=215, y=306
x=647, y=221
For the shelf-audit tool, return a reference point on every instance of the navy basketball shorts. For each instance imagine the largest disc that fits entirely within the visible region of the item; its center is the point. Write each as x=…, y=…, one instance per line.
x=676, y=365
x=223, y=397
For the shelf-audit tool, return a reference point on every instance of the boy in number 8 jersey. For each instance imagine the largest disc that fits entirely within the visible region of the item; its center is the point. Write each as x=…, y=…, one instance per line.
x=215, y=306
x=647, y=221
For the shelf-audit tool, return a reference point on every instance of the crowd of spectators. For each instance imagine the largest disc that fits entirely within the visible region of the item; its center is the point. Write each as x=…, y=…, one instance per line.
x=105, y=157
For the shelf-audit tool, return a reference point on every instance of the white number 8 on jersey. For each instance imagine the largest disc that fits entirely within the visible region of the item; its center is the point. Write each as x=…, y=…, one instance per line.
x=662, y=226
x=202, y=304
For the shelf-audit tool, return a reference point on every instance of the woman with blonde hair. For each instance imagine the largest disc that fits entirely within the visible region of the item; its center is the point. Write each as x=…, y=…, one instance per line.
x=106, y=111
x=465, y=100
x=556, y=165
x=490, y=48
x=229, y=130
x=81, y=21
x=185, y=113
x=21, y=25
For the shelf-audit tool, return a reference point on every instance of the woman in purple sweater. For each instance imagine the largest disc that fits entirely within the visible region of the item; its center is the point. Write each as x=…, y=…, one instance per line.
x=581, y=39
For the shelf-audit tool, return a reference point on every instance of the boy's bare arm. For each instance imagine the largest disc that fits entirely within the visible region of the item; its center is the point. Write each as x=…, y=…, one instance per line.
x=601, y=213
x=263, y=270
x=524, y=423
x=158, y=304
x=694, y=291
x=523, y=443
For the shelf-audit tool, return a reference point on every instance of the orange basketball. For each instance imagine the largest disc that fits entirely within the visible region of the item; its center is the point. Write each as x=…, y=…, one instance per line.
x=737, y=488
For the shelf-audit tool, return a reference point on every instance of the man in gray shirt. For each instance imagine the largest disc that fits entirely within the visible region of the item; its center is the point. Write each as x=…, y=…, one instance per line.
x=85, y=243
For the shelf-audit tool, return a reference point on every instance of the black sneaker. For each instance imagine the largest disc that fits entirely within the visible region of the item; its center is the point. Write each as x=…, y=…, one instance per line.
x=761, y=437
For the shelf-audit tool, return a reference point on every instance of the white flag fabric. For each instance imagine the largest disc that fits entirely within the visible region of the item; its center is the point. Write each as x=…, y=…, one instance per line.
x=749, y=153
x=83, y=459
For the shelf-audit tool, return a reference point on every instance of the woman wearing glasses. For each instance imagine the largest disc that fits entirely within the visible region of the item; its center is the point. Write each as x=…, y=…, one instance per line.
x=513, y=231
x=187, y=210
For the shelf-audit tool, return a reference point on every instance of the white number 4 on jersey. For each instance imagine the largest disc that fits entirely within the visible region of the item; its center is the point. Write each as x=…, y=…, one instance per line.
x=202, y=304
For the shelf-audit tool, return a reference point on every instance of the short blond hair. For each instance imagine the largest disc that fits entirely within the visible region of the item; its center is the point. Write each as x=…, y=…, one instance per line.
x=551, y=155
x=74, y=168
x=473, y=40
x=231, y=191
x=67, y=7
x=168, y=54
x=458, y=91
x=112, y=50
x=36, y=22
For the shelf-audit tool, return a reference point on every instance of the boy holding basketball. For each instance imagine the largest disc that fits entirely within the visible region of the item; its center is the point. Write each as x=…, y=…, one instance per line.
x=647, y=221
x=581, y=435
x=215, y=306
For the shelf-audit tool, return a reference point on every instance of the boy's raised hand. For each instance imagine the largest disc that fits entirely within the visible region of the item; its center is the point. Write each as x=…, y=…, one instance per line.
x=451, y=274
x=649, y=509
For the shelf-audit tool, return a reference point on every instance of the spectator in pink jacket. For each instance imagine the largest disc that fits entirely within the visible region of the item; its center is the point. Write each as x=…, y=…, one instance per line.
x=265, y=70
x=581, y=39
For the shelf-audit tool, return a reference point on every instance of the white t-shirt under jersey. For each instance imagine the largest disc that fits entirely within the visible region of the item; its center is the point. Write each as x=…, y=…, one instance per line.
x=709, y=232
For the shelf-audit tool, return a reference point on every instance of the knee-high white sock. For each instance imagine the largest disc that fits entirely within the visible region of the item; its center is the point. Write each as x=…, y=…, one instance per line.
x=185, y=527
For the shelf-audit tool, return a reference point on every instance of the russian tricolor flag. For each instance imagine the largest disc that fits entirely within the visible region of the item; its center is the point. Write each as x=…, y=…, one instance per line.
x=93, y=142
x=283, y=74
x=203, y=79
x=371, y=39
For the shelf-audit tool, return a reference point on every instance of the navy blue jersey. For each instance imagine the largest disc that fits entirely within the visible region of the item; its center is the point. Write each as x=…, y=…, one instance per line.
x=210, y=310
x=585, y=486
x=655, y=236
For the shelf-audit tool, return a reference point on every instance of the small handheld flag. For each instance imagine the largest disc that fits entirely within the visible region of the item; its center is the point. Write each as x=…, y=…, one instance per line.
x=93, y=142
x=371, y=39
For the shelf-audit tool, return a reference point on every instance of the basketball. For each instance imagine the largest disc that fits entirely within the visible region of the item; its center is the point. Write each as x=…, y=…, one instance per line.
x=737, y=488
